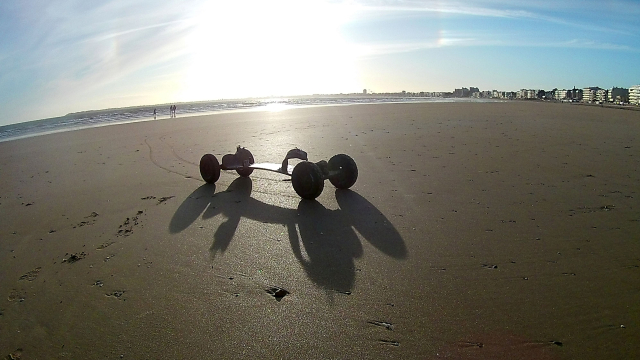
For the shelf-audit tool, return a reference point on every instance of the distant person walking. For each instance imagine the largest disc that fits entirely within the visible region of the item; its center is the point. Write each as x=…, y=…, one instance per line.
x=154, y=114
x=171, y=111
x=174, y=110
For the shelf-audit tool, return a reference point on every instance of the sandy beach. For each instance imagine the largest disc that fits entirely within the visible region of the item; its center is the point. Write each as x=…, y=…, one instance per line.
x=475, y=231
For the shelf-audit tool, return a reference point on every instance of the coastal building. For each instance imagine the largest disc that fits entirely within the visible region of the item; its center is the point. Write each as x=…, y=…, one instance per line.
x=602, y=95
x=634, y=95
x=464, y=92
x=618, y=95
x=545, y=95
x=526, y=94
x=503, y=94
x=576, y=94
x=589, y=94
x=562, y=94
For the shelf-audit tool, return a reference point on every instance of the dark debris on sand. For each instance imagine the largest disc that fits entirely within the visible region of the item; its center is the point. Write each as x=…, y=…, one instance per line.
x=74, y=257
x=15, y=355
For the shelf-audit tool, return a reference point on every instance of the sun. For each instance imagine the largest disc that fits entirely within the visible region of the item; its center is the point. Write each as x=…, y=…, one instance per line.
x=259, y=48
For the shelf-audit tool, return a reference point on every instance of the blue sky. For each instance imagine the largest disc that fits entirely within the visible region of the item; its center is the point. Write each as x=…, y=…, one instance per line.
x=65, y=56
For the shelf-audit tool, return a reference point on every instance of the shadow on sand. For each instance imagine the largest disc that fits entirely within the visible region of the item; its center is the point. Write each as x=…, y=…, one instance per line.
x=324, y=241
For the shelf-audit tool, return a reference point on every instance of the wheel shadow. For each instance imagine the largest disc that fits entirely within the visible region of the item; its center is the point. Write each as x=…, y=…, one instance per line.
x=324, y=241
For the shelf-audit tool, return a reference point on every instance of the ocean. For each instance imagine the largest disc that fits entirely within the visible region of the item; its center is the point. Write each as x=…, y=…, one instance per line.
x=96, y=118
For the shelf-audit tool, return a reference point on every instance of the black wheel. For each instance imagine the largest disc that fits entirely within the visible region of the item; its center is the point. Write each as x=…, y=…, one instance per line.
x=343, y=171
x=307, y=180
x=209, y=168
x=244, y=154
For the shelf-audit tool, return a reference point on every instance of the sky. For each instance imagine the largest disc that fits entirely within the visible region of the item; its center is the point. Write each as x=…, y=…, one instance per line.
x=63, y=56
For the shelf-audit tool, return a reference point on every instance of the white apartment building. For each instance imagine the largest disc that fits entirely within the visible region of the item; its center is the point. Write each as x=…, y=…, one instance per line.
x=602, y=95
x=589, y=94
x=526, y=94
x=561, y=94
x=634, y=95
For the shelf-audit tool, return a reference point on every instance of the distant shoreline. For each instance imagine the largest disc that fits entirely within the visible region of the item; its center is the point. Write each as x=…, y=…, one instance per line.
x=115, y=116
x=98, y=118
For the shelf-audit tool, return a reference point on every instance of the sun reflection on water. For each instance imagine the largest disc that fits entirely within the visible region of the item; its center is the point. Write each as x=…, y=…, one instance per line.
x=277, y=105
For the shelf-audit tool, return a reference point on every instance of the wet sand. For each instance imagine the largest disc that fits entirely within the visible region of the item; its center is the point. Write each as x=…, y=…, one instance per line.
x=475, y=230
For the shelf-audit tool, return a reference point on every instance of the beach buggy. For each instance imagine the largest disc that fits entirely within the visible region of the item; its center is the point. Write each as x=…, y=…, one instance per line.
x=307, y=177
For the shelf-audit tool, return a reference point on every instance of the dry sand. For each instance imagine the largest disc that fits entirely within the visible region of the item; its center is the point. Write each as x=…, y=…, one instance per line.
x=476, y=230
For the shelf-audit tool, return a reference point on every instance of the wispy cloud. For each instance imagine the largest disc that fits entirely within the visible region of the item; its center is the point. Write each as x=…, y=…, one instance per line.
x=553, y=12
x=386, y=48
x=500, y=23
x=591, y=44
x=438, y=7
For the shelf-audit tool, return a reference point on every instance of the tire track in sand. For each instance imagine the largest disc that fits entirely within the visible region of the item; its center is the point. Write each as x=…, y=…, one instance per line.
x=155, y=161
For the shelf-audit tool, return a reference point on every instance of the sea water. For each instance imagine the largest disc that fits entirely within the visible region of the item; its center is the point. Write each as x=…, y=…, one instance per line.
x=98, y=118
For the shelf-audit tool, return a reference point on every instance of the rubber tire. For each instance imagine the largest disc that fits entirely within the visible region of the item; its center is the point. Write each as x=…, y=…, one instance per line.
x=347, y=171
x=244, y=153
x=210, y=168
x=307, y=180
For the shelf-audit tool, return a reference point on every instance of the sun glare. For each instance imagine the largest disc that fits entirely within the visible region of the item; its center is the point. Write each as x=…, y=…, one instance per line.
x=259, y=48
x=275, y=107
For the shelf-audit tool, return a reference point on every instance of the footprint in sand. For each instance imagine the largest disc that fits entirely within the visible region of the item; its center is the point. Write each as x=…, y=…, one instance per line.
x=164, y=198
x=127, y=226
x=160, y=200
x=105, y=245
x=277, y=293
x=92, y=216
x=117, y=294
x=31, y=275
x=17, y=295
